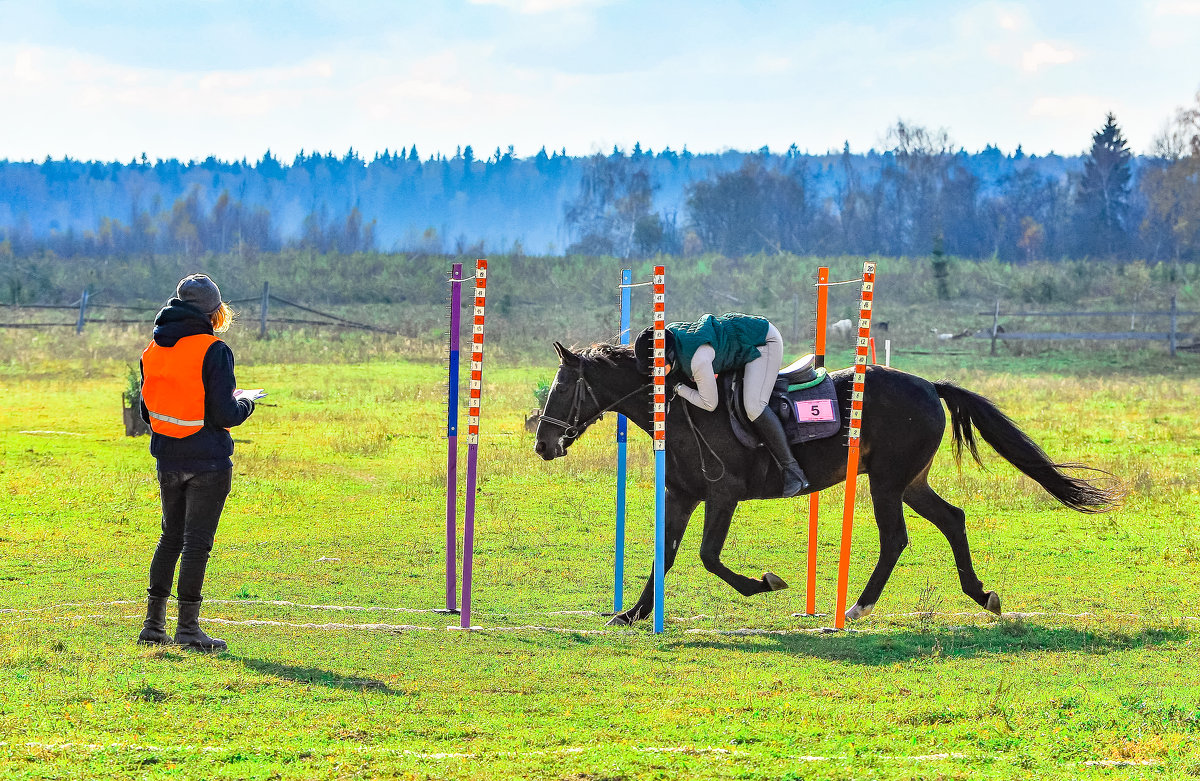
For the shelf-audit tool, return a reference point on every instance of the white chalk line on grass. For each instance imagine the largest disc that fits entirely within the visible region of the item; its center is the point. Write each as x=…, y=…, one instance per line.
x=385, y=627
x=592, y=613
x=285, y=603
x=689, y=750
x=328, y=625
x=407, y=627
x=402, y=628
x=275, y=602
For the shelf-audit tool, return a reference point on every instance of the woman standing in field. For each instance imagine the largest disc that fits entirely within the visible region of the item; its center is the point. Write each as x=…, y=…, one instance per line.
x=702, y=349
x=190, y=400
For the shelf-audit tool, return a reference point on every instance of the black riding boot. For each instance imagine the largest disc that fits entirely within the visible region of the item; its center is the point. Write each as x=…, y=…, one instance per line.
x=154, y=630
x=770, y=430
x=189, y=633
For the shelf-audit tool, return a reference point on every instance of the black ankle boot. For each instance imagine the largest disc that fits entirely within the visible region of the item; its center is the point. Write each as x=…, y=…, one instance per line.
x=189, y=633
x=770, y=430
x=154, y=629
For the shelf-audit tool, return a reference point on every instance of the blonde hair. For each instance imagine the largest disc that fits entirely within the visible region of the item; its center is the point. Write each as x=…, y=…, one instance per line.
x=222, y=318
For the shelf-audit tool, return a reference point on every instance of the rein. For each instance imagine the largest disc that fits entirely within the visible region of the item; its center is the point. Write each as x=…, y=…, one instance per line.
x=574, y=427
x=583, y=389
x=700, y=439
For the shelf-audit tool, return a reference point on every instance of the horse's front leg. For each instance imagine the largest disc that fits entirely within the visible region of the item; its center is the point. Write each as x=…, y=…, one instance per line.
x=717, y=517
x=676, y=515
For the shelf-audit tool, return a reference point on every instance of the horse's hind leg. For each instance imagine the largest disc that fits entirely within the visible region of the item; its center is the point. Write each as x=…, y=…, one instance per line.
x=951, y=521
x=675, y=516
x=893, y=538
x=717, y=516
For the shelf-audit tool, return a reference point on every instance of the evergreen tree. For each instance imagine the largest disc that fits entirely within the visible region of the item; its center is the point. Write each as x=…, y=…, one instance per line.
x=1102, y=198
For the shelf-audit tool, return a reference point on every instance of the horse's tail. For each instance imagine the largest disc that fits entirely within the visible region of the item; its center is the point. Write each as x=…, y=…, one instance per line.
x=970, y=411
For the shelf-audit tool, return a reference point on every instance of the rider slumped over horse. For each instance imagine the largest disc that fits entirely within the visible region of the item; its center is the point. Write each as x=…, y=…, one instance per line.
x=715, y=344
x=902, y=426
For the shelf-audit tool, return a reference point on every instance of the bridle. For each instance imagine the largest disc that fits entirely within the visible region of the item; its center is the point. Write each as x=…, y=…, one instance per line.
x=573, y=427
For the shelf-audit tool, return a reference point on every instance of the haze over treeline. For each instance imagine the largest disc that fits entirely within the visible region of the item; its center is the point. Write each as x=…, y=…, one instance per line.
x=920, y=195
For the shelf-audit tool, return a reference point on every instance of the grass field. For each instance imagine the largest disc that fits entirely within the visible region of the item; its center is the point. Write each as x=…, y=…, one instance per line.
x=330, y=556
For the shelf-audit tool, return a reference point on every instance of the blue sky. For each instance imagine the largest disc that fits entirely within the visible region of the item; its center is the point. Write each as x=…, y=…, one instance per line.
x=189, y=79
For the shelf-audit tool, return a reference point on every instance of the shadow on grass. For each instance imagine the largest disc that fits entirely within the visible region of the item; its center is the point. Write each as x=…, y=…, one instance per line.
x=315, y=676
x=959, y=643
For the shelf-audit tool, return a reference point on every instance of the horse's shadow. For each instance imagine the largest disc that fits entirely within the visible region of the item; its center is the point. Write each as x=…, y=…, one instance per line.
x=904, y=645
x=315, y=676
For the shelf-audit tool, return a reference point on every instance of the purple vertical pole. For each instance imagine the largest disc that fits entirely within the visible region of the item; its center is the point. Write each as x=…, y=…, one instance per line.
x=473, y=404
x=452, y=437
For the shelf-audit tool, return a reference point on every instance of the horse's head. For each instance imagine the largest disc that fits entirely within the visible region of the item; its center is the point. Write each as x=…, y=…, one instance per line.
x=603, y=377
x=571, y=407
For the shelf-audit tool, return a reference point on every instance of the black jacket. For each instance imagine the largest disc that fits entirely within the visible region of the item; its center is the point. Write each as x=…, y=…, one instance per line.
x=209, y=449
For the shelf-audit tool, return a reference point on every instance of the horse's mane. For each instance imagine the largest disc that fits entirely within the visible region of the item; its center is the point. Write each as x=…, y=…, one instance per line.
x=606, y=352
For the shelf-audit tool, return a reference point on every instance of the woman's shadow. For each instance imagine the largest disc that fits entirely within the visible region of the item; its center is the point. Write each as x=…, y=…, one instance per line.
x=315, y=676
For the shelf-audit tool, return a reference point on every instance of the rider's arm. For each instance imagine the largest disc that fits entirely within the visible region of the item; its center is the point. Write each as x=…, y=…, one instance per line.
x=704, y=395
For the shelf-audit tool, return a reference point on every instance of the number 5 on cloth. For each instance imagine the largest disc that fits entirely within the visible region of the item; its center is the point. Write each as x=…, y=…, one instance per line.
x=818, y=411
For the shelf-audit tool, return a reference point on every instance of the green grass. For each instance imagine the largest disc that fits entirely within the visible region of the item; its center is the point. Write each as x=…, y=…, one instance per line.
x=339, y=502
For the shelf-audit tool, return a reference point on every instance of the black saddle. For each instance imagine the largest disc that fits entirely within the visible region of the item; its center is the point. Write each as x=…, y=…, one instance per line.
x=804, y=399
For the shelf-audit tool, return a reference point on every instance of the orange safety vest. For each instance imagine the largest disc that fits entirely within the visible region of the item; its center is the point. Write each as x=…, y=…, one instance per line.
x=173, y=388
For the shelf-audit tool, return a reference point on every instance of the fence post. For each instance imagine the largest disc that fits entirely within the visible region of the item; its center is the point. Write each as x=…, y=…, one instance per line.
x=1174, y=322
x=262, y=319
x=995, y=325
x=82, y=312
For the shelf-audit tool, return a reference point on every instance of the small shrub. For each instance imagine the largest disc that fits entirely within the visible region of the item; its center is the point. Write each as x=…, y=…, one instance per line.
x=541, y=392
x=133, y=386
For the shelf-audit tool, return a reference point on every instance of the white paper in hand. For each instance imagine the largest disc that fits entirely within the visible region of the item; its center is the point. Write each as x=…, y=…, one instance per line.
x=254, y=394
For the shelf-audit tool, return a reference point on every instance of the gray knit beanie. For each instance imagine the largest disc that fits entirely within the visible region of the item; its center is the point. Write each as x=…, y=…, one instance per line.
x=199, y=291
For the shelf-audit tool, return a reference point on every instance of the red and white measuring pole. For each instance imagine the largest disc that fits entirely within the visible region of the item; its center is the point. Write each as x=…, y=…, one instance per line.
x=473, y=403
x=660, y=444
x=856, y=408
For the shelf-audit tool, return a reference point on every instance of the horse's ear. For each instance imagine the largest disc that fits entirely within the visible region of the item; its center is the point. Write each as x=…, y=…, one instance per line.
x=567, y=357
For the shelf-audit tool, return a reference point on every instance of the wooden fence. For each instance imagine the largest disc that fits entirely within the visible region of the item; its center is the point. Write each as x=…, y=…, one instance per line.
x=84, y=307
x=1172, y=336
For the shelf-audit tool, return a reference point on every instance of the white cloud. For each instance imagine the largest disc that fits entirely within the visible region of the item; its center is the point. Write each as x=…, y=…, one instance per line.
x=1177, y=8
x=984, y=19
x=1009, y=20
x=100, y=108
x=1045, y=53
x=27, y=67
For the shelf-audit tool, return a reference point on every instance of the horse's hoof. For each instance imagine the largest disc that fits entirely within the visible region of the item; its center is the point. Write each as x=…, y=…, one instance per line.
x=773, y=581
x=620, y=619
x=993, y=602
x=859, y=611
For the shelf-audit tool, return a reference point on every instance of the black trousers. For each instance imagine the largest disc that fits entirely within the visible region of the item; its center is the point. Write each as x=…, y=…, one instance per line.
x=191, y=508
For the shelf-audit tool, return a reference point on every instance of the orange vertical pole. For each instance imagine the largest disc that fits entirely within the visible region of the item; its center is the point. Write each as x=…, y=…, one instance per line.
x=814, y=499
x=856, y=408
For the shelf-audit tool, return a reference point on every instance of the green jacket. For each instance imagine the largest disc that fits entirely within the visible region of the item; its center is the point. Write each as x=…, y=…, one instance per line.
x=735, y=338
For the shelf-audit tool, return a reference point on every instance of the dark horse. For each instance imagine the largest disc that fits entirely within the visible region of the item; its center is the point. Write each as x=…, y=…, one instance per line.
x=902, y=426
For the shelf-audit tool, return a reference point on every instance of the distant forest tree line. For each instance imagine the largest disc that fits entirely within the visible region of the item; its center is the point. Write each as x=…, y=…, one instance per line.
x=920, y=196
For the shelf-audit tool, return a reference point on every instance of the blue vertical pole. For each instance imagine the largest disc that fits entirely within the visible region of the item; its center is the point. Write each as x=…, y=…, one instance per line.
x=622, y=438
x=660, y=536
